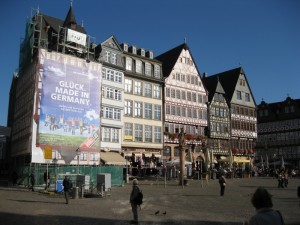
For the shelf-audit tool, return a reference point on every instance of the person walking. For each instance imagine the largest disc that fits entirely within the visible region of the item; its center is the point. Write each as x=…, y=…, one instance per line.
x=134, y=205
x=262, y=202
x=67, y=186
x=222, y=182
x=47, y=180
x=32, y=181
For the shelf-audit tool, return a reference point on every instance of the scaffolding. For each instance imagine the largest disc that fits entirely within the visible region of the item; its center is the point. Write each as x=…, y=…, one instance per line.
x=40, y=34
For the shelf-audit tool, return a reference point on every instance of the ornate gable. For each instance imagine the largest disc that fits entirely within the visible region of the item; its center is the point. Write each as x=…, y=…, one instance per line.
x=111, y=43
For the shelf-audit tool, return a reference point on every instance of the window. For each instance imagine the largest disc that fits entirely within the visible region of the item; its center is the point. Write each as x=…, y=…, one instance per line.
x=115, y=135
x=199, y=98
x=138, y=109
x=138, y=88
x=128, y=108
x=138, y=132
x=118, y=95
x=182, y=77
x=183, y=112
x=188, y=80
x=157, y=134
x=138, y=66
x=167, y=92
x=156, y=71
x=117, y=114
x=143, y=52
x=168, y=109
x=156, y=92
x=173, y=93
x=192, y=80
x=109, y=93
x=93, y=157
x=189, y=96
x=242, y=82
x=113, y=58
x=239, y=95
x=178, y=94
x=128, y=129
x=118, y=77
x=128, y=64
x=148, y=69
x=173, y=110
x=148, y=133
x=107, y=56
x=148, y=90
x=106, y=134
x=128, y=86
x=194, y=113
x=151, y=55
x=200, y=114
x=178, y=111
x=183, y=95
x=112, y=75
x=148, y=111
x=189, y=112
x=178, y=76
x=109, y=112
x=247, y=97
x=194, y=95
x=157, y=112
x=133, y=49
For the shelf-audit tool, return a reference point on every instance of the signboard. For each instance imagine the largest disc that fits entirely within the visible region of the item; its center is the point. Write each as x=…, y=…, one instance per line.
x=76, y=37
x=48, y=152
x=70, y=101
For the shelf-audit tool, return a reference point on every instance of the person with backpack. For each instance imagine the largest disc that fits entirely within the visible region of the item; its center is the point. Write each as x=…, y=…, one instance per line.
x=135, y=200
x=222, y=182
x=67, y=186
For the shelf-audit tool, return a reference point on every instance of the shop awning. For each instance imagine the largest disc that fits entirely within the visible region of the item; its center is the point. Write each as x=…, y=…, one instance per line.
x=112, y=158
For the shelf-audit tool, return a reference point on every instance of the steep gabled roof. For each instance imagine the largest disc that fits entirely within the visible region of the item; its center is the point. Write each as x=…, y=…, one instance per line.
x=170, y=58
x=55, y=23
x=213, y=85
x=229, y=80
x=70, y=18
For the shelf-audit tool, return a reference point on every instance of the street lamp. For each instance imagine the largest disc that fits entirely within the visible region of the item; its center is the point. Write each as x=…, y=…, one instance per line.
x=126, y=177
x=78, y=152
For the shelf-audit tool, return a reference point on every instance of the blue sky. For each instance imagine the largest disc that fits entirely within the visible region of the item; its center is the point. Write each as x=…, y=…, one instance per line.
x=262, y=36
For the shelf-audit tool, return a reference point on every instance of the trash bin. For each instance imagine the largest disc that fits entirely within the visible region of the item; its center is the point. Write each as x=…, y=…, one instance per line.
x=213, y=175
x=75, y=192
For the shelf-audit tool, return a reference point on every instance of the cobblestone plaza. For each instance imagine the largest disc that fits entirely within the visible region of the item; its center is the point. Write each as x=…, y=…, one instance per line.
x=197, y=203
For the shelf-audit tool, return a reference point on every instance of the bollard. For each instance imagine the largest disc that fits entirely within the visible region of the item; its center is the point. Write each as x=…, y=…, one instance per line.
x=75, y=193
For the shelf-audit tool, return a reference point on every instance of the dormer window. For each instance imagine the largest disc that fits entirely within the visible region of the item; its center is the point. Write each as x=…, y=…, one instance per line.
x=125, y=47
x=133, y=49
x=151, y=55
x=143, y=52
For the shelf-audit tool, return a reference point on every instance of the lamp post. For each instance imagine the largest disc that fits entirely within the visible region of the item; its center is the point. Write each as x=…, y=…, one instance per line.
x=78, y=152
x=126, y=176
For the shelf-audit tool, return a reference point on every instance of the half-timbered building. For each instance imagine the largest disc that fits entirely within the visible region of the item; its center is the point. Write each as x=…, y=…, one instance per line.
x=278, y=127
x=243, y=132
x=185, y=100
x=218, y=129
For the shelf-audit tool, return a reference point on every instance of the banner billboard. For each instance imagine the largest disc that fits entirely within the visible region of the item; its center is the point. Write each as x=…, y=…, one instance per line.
x=70, y=102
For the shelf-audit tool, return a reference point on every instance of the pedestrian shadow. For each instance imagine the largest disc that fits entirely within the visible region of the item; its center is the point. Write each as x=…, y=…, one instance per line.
x=11, y=218
x=31, y=201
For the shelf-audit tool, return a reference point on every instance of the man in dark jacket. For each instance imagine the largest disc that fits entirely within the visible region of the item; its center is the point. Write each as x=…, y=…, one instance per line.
x=222, y=182
x=67, y=186
x=134, y=205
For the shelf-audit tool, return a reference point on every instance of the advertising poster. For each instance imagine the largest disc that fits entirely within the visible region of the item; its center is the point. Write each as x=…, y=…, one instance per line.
x=70, y=102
